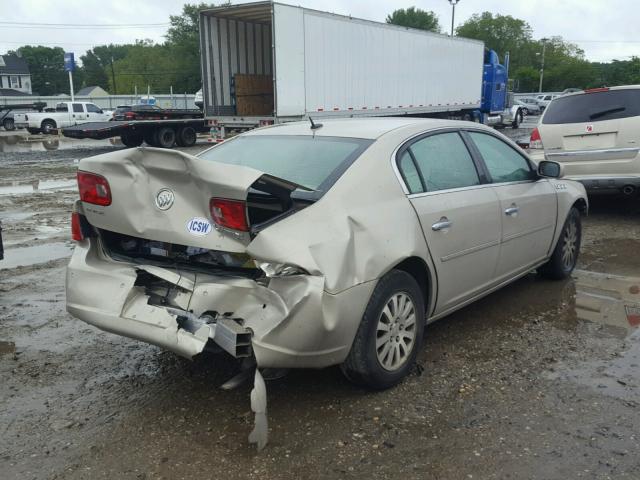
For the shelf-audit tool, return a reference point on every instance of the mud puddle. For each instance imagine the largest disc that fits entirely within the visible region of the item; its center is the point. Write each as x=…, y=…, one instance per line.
x=608, y=306
x=23, y=257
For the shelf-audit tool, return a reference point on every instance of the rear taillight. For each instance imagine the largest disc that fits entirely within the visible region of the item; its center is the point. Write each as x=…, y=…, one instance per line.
x=535, y=141
x=76, y=227
x=229, y=213
x=130, y=115
x=94, y=189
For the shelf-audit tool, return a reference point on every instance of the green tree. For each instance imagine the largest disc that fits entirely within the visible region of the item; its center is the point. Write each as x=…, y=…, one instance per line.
x=97, y=63
x=46, y=65
x=183, y=38
x=415, y=18
x=145, y=64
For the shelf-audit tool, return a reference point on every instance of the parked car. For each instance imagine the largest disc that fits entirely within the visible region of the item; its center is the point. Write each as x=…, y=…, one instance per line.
x=118, y=113
x=307, y=245
x=529, y=106
x=595, y=135
x=544, y=100
x=65, y=115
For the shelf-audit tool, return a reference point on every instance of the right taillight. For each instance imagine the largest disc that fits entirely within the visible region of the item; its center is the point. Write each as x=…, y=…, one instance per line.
x=76, y=227
x=535, y=141
x=229, y=213
x=94, y=189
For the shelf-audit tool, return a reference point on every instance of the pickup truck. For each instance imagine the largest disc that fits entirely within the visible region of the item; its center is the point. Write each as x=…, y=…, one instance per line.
x=66, y=114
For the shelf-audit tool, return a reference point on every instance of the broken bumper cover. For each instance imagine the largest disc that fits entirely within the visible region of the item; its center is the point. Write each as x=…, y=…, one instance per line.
x=293, y=322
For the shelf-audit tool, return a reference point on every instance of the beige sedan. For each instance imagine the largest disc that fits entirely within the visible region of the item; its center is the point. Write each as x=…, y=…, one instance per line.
x=295, y=246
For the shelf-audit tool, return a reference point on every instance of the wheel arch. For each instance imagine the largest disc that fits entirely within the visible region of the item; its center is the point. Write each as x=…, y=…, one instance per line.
x=419, y=270
x=582, y=206
x=55, y=124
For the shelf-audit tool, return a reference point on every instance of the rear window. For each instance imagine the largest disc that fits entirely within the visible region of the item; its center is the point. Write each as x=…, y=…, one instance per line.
x=313, y=162
x=593, y=107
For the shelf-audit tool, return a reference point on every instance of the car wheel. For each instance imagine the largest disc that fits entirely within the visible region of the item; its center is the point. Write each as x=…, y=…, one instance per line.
x=8, y=124
x=166, y=137
x=47, y=126
x=390, y=333
x=525, y=111
x=186, y=137
x=565, y=255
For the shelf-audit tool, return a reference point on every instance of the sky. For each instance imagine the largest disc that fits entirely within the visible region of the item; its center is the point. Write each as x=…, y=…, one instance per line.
x=604, y=29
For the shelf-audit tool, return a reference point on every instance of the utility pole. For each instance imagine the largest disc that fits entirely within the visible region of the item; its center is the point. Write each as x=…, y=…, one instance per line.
x=113, y=79
x=453, y=13
x=544, y=47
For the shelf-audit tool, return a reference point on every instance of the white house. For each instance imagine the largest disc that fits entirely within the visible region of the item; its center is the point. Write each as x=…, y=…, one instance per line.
x=15, y=75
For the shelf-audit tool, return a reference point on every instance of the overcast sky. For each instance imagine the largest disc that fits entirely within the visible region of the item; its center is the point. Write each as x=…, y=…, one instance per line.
x=604, y=29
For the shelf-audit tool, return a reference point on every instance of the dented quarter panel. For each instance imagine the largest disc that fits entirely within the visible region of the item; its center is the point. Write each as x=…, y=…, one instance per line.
x=568, y=192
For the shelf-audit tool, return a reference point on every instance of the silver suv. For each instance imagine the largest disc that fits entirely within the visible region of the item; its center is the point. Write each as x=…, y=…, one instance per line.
x=595, y=135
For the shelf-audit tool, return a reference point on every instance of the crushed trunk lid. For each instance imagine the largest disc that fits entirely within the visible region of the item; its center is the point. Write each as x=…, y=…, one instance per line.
x=164, y=195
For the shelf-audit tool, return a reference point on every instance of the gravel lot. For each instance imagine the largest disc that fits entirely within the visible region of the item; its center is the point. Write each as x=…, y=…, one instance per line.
x=539, y=380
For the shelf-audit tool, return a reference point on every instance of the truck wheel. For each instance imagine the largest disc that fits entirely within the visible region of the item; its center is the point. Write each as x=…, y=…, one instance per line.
x=150, y=138
x=390, y=333
x=33, y=131
x=517, y=121
x=131, y=140
x=166, y=137
x=8, y=124
x=47, y=126
x=186, y=137
x=565, y=255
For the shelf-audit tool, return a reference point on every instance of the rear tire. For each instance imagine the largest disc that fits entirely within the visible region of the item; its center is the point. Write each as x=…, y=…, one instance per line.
x=131, y=140
x=390, y=333
x=33, y=131
x=565, y=254
x=166, y=137
x=525, y=111
x=186, y=137
x=150, y=138
x=8, y=124
x=48, y=126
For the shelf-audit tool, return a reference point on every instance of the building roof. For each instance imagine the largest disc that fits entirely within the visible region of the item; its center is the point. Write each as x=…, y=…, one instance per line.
x=13, y=65
x=10, y=92
x=92, y=90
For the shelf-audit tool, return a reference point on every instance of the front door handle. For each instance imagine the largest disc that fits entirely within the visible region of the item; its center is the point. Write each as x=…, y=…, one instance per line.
x=442, y=224
x=512, y=210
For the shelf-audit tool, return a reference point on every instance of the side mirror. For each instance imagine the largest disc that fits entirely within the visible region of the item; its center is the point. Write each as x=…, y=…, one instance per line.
x=549, y=169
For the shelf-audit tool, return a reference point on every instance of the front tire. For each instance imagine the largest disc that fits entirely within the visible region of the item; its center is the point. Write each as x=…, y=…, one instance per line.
x=517, y=121
x=8, y=124
x=390, y=333
x=565, y=255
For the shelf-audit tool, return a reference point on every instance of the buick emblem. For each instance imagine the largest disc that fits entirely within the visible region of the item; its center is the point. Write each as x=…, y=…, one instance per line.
x=164, y=199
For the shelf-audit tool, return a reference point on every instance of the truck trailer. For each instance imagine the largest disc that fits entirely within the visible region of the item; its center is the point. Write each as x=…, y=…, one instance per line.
x=267, y=62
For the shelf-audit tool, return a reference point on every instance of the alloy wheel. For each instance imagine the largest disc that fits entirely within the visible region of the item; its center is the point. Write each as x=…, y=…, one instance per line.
x=396, y=332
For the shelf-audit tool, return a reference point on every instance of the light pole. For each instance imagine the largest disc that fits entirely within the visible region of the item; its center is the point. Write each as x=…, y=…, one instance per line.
x=453, y=13
x=544, y=48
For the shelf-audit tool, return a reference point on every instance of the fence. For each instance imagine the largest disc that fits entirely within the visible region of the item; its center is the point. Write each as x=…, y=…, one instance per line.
x=109, y=103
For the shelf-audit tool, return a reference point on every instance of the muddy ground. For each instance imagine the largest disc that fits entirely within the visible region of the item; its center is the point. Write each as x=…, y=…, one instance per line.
x=539, y=380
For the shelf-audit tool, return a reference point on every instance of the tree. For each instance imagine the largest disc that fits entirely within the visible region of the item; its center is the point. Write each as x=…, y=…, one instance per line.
x=46, y=65
x=144, y=64
x=97, y=63
x=415, y=18
x=183, y=38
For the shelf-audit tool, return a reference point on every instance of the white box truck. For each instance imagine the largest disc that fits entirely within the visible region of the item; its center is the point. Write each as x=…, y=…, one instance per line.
x=267, y=62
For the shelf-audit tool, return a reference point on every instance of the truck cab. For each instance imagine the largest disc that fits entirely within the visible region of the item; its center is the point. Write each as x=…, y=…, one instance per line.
x=497, y=107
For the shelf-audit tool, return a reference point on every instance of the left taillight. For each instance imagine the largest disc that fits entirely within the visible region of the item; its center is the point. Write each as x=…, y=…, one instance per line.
x=229, y=213
x=76, y=227
x=94, y=189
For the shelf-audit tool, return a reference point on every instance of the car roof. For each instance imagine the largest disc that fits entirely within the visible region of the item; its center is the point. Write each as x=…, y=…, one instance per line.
x=370, y=127
x=604, y=89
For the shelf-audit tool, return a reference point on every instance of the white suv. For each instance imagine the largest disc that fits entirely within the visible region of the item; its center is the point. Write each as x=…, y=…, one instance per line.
x=595, y=135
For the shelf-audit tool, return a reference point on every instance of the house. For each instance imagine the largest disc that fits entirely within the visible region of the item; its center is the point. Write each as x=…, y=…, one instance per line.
x=14, y=74
x=93, y=91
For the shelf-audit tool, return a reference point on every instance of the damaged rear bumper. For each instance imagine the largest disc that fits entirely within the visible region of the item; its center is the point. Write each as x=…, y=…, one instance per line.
x=291, y=323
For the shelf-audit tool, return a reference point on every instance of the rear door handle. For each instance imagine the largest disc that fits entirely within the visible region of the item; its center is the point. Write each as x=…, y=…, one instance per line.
x=441, y=225
x=512, y=210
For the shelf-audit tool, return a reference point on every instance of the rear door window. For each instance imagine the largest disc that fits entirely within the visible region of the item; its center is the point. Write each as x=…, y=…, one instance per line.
x=503, y=162
x=77, y=108
x=593, y=107
x=443, y=162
